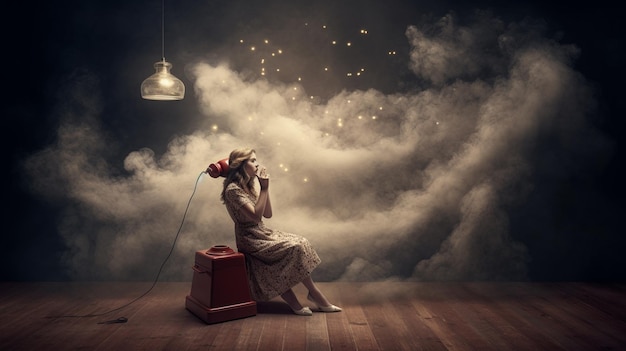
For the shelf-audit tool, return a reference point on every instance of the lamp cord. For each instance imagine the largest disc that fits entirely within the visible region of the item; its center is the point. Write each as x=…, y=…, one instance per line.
x=156, y=279
x=163, y=29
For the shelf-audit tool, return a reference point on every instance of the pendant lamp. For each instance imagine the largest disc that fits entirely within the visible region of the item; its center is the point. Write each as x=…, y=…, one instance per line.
x=162, y=85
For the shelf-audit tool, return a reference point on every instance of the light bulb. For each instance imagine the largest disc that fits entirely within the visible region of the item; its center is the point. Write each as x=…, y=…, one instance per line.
x=162, y=85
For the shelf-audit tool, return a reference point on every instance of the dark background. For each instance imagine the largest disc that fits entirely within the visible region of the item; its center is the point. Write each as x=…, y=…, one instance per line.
x=49, y=42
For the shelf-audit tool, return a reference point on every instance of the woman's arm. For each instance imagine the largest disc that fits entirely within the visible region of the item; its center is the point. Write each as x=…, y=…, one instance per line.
x=256, y=211
x=267, y=213
x=263, y=206
x=264, y=182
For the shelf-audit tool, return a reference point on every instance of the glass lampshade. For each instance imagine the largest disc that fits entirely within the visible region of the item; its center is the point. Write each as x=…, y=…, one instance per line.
x=162, y=85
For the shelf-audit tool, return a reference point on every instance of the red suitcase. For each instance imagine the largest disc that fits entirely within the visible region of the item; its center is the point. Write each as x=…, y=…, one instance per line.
x=219, y=289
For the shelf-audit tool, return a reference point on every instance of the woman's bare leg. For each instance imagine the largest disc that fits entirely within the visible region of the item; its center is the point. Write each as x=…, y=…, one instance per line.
x=315, y=293
x=290, y=298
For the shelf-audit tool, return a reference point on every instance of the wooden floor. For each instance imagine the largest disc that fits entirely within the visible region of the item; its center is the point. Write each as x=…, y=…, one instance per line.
x=376, y=316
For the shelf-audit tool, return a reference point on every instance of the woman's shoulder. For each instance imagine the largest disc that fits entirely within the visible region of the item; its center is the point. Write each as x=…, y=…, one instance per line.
x=235, y=194
x=233, y=186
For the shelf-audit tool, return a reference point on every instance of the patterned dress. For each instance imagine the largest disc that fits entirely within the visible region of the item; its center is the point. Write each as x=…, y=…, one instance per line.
x=275, y=260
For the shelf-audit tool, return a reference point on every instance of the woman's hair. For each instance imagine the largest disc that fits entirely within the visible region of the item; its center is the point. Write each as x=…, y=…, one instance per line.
x=237, y=172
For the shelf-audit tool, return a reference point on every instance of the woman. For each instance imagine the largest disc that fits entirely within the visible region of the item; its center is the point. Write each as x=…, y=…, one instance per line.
x=276, y=261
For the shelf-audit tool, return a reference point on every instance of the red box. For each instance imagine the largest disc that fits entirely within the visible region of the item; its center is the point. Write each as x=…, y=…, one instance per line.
x=219, y=289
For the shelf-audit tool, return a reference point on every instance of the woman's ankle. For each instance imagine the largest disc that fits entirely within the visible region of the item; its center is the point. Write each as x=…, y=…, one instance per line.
x=318, y=298
x=292, y=301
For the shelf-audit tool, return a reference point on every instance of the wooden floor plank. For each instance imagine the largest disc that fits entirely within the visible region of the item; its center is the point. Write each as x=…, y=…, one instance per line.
x=526, y=336
x=146, y=328
x=596, y=309
x=581, y=323
x=376, y=316
x=526, y=302
x=338, y=325
x=485, y=319
x=295, y=334
x=447, y=323
x=339, y=333
x=604, y=298
x=361, y=333
x=316, y=332
x=391, y=330
x=424, y=337
x=273, y=333
x=250, y=330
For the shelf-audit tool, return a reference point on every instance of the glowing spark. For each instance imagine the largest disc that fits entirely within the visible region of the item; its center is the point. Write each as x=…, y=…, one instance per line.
x=266, y=41
x=305, y=180
x=348, y=44
x=363, y=31
x=252, y=48
x=214, y=127
x=334, y=42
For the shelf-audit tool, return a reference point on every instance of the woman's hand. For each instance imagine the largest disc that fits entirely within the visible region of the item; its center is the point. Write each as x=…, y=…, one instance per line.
x=264, y=177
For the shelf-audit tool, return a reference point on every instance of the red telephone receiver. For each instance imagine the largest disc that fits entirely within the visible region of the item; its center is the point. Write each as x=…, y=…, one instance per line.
x=218, y=169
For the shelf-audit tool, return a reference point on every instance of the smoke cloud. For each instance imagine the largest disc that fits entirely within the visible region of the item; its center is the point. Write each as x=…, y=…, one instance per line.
x=417, y=184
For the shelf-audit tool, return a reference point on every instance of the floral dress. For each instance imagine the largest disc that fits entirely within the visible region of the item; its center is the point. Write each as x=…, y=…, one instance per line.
x=275, y=260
